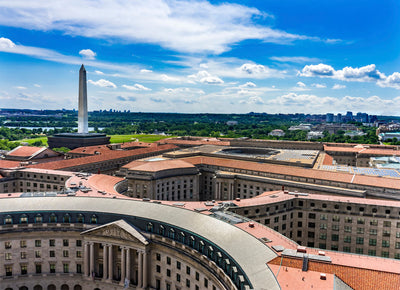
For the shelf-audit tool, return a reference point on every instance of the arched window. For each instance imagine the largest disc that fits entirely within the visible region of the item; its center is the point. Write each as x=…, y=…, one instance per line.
x=8, y=220
x=23, y=219
x=66, y=219
x=182, y=237
x=201, y=247
x=192, y=242
x=37, y=287
x=52, y=218
x=149, y=227
x=38, y=219
x=51, y=287
x=80, y=219
x=64, y=287
x=93, y=219
x=172, y=234
x=161, y=230
x=77, y=287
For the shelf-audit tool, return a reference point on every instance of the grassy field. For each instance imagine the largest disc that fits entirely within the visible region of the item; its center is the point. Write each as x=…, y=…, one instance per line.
x=113, y=139
x=33, y=140
x=137, y=137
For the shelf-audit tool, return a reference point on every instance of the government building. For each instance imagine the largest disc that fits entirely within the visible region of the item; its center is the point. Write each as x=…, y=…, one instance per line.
x=196, y=213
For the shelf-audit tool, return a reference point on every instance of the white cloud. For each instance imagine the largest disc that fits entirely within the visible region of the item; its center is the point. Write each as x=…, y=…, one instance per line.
x=205, y=78
x=88, y=53
x=318, y=86
x=392, y=81
x=360, y=74
x=20, y=88
x=317, y=70
x=97, y=72
x=338, y=87
x=296, y=103
x=295, y=59
x=37, y=85
x=167, y=78
x=301, y=84
x=6, y=43
x=145, y=71
x=103, y=83
x=188, y=26
x=255, y=100
x=248, y=85
x=136, y=87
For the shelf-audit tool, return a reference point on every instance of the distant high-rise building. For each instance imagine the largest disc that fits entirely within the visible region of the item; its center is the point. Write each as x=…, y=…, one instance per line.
x=329, y=118
x=349, y=116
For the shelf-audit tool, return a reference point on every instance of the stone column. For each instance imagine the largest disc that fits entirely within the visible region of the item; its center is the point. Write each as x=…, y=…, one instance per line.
x=123, y=265
x=145, y=269
x=105, y=261
x=140, y=268
x=86, y=259
x=128, y=264
x=91, y=269
x=110, y=262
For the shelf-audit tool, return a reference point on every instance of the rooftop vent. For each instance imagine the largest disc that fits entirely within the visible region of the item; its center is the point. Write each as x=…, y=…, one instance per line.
x=322, y=276
x=301, y=249
x=251, y=225
x=238, y=199
x=321, y=253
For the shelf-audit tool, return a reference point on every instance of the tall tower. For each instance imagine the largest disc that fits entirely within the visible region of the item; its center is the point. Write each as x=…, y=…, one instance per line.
x=82, y=110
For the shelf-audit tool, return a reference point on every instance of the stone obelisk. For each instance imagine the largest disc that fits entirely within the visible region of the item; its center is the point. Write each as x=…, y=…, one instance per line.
x=83, y=109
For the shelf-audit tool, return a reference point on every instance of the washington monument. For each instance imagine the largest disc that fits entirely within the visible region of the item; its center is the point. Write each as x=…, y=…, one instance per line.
x=82, y=109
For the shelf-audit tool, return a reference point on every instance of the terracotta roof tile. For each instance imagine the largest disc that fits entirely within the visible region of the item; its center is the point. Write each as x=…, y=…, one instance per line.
x=152, y=166
x=296, y=171
x=113, y=154
x=4, y=164
x=25, y=151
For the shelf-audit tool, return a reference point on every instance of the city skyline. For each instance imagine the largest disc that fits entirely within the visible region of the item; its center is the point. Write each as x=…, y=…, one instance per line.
x=199, y=56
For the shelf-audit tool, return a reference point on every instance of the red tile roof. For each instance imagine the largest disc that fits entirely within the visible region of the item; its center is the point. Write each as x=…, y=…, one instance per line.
x=25, y=151
x=113, y=154
x=153, y=166
x=90, y=150
x=296, y=171
x=4, y=164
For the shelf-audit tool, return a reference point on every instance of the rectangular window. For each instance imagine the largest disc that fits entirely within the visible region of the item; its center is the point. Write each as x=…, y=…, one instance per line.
x=168, y=272
x=23, y=255
x=188, y=270
x=311, y=215
x=8, y=270
x=360, y=221
x=385, y=254
x=372, y=242
x=7, y=256
x=178, y=277
x=371, y=252
x=52, y=268
x=324, y=217
x=336, y=218
x=22, y=244
x=360, y=241
x=348, y=219
x=335, y=227
x=385, y=244
x=346, y=249
x=322, y=226
x=373, y=222
x=347, y=229
x=178, y=265
x=79, y=254
x=373, y=232
x=158, y=268
x=38, y=243
x=24, y=269
x=397, y=245
x=78, y=268
x=7, y=245
x=38, y=268
x=359, y=251
x=197, y=276
x=205, y=282
x=360, y=230
x=386, y=233
x=387, y=224
x=335, y=237
x=79, y=243
x=158, y=257
x=65, y=243
x=347, y=239
x=38, y=254
x=66, y=268
x=168, y=260
x=65, y=254
x=52, y=243
x=322, y=236
x=188, y=283
x=52, y=254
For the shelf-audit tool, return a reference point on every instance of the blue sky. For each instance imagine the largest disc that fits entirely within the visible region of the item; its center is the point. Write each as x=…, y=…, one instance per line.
x=274, y=56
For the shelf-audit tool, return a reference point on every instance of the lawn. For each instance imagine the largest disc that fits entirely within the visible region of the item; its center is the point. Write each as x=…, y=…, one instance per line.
x=33, y=140
x=113, y=139
x=137, y=137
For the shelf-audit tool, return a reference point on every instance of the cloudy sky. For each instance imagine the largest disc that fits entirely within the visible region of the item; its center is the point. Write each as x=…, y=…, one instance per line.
x=271, y=56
